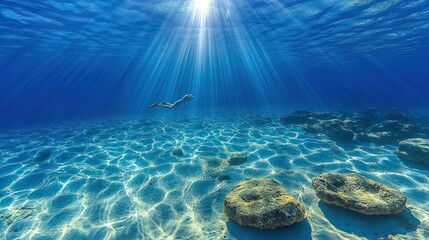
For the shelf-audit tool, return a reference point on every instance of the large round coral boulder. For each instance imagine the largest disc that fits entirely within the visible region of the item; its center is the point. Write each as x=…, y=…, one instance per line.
x=262, y=203
x=358, y=193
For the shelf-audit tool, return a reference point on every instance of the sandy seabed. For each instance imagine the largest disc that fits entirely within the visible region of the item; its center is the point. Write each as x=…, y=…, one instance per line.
x=167, y=178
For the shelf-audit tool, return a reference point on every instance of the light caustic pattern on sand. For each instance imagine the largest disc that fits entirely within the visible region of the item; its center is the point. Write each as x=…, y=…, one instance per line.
x=166, y=179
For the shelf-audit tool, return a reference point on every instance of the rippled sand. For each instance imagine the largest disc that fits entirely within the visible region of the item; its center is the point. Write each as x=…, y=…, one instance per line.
x=166, y=179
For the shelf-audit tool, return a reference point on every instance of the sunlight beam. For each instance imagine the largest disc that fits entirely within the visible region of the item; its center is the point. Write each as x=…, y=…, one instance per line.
x=202, y=6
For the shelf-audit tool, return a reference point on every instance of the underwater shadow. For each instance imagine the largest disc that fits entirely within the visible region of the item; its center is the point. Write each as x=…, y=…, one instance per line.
x=371, y=227
x=415, y=165
x=298, y=231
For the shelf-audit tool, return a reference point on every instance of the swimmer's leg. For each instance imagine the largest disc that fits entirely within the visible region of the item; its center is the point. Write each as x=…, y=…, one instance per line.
x=165, y=104
x=153, y=105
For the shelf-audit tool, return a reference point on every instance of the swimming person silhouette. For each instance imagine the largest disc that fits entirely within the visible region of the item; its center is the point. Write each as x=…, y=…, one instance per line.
x=186, y=98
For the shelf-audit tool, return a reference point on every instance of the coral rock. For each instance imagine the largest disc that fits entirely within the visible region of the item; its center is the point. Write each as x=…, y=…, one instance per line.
x=262, y=203
x=358, y=193
x=414, y=149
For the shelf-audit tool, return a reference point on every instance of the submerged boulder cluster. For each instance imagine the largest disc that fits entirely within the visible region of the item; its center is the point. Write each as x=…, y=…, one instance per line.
x=335, y=129
x=263, y=203
x=394, y=127
x=368, y=126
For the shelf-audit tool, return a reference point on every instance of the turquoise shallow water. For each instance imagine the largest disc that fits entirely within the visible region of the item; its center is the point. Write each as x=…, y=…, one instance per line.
x=166, y=179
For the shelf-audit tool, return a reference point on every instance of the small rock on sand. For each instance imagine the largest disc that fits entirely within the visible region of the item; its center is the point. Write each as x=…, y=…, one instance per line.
x=178, y=152
x=237, y=159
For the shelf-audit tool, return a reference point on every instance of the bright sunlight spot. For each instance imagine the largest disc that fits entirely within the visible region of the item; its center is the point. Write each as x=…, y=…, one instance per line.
x=202, y=6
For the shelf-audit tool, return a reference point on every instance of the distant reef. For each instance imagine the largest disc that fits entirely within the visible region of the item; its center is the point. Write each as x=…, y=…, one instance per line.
x=394, y=127
x=366, y=126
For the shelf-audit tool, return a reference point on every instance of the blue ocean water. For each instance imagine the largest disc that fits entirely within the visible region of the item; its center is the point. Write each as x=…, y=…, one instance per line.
x=81, y=155
x=65, y=60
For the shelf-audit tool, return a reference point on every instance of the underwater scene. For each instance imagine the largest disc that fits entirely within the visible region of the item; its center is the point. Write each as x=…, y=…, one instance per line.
x=214, y=119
